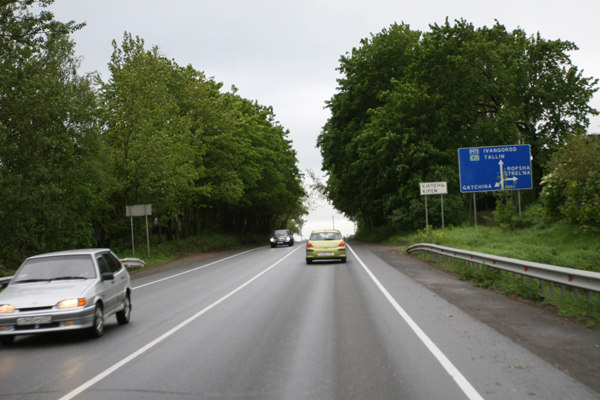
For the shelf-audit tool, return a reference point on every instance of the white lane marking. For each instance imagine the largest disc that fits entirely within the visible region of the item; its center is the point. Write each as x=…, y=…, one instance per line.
x=192, y=270
x=156, y=341
x=437, y=353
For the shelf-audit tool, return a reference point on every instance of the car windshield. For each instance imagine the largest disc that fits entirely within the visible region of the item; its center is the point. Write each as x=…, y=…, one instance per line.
x=325, y=236
x=279, y=233
x=56, y=268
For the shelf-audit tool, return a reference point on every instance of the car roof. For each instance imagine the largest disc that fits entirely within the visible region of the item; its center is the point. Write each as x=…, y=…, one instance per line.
x=90, y=252
x=325, y=230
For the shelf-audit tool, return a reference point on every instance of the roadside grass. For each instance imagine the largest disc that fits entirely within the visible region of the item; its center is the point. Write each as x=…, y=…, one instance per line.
x=560, y=244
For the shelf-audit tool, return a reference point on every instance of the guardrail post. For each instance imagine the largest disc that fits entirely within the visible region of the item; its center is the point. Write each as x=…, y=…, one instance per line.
x=542, y=288
x=576, y=295
x=562, y=292
x=551, y=292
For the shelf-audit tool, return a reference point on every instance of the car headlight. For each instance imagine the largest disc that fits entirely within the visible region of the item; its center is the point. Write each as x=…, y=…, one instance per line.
x=287, y=239
x=70, y=303
x=272, y=240
x=7, y=309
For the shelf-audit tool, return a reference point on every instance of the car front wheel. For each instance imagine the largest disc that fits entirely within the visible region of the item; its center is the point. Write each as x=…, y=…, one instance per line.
x=124, y=315
x=97, y=329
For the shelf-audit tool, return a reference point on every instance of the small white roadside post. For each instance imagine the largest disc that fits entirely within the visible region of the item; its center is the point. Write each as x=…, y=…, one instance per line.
x=431, y=188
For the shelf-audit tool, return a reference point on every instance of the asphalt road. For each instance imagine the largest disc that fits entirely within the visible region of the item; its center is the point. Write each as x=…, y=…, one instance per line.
x=261, y=324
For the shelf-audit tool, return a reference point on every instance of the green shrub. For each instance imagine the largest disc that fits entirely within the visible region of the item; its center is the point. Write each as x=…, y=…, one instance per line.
x=571, y=187
x=582, y=202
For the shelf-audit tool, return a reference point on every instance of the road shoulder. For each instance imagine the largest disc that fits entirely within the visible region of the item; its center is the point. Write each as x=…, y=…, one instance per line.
x=559, y=341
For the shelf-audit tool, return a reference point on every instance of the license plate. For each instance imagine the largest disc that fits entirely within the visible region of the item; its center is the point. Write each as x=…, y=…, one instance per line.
x=325, y=254
x=33, y=320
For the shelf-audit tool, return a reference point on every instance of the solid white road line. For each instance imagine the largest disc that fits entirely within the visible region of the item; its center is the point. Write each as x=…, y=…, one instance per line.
x=462, y=382
x=156, y=341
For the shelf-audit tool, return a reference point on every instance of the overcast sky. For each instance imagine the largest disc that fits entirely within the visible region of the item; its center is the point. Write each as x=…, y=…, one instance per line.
x=284, y=53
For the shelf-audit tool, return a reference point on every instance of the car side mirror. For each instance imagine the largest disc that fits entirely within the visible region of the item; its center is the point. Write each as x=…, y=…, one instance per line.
x=4, y=284
x=108, y=276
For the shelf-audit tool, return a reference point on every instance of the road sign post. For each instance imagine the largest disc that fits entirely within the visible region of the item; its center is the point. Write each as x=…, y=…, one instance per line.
x=139, y=210
x=432, y=188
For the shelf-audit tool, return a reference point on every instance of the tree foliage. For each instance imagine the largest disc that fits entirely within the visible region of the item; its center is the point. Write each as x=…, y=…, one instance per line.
x=571, y=188
x=75, y=150
x=408, y=100
x=207, y=161
x=48, y=136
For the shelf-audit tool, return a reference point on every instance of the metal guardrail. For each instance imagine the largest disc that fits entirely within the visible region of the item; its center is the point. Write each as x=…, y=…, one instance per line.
x=575, y=278
x=127, y=262
x=133, y=262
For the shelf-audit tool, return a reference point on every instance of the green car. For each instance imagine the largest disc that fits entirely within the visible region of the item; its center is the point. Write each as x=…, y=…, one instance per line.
x=325, y=245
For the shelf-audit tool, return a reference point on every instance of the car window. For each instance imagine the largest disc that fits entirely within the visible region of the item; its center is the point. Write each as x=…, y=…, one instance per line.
x=325, y=236
x=113, y=264
x=53, y=267
x=280, y=232
x=102, y=264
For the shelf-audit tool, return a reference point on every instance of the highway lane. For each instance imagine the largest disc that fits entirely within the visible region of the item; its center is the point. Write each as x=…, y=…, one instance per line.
x=262, y=324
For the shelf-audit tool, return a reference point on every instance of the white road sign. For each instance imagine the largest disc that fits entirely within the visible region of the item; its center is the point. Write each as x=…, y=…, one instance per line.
x=431, y=188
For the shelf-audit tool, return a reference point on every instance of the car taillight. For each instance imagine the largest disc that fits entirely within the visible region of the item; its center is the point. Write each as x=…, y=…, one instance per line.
x=309, y=244
x=342, y=244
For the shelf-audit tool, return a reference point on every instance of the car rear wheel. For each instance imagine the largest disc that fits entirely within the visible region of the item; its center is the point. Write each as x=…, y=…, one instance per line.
x=343, y=260
x=309, y=261
x=124, y=315
x=7, y=339
x=97, y=329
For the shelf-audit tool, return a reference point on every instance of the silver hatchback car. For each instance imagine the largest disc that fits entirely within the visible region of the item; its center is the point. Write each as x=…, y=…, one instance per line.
x=77, y=289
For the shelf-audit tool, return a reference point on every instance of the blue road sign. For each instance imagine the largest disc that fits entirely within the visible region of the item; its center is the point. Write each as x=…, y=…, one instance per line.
x=487, y=169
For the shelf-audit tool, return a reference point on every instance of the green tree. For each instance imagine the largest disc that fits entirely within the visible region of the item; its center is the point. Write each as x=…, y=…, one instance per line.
x=367, y=72
x=148, y=137
x=571, y=187
x=273, y=189
x=454, y=86
x=48, y=136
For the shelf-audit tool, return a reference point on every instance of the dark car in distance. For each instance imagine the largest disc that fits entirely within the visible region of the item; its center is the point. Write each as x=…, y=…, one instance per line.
x=281, y=236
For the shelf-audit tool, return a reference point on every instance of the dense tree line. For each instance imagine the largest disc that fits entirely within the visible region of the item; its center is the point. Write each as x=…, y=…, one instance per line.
x=75, y=150
x=408, y=100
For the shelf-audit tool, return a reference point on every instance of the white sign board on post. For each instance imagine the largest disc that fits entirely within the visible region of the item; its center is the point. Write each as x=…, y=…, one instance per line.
x=433, y=188
x=429, y=188
x=139, y=210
